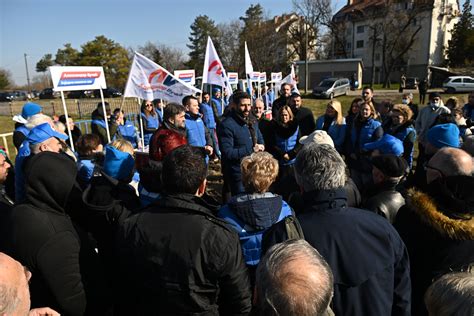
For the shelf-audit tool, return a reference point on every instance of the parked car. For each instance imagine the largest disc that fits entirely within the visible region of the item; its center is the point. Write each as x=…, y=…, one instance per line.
x=80, y=94
x=20, y=95
x=412, y=83
x=108, y=93
x=332, y=87
x=49, y=93
x=7, y=96
x=458, y=84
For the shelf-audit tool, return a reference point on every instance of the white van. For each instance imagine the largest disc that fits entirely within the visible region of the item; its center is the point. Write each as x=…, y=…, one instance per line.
x=332, y=87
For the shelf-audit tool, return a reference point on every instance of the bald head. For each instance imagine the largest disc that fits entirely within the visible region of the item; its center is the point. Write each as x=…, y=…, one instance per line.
x=14, y=292
x=447, y=162
x=293, y=279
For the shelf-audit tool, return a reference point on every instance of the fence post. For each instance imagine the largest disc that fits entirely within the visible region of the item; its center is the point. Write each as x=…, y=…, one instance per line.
x=11, y=108
x=78, y=109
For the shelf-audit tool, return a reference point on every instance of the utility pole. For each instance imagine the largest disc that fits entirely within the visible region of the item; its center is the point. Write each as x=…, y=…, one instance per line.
x=27, y=74
x=306, y=78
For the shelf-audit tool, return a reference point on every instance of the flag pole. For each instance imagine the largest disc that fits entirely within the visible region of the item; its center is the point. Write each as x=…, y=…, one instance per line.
x=67, y=120
x=105, y=114
x=141, y=123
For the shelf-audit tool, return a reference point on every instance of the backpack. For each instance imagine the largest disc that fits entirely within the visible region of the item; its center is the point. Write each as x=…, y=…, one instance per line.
x=286, y=229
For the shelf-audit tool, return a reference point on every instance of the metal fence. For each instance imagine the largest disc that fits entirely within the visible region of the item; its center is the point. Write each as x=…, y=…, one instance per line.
x=79, y=108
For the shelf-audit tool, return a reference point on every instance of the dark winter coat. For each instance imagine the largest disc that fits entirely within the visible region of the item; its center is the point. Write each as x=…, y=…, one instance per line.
x=407, y=134
x=368, y=259
x=237, y=138
x=177, y=258
x=438, y=230
x=305, y=120
x=285, y=141
x=66, y=270
x=385, y=201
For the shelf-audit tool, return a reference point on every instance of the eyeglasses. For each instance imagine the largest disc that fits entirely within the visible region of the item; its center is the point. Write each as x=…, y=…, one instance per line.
x=149, y=105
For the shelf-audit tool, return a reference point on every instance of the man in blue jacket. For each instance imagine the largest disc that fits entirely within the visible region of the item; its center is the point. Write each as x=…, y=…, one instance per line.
x=239, y=136
x=209, y=121
x=366, y=255
x=196, y=133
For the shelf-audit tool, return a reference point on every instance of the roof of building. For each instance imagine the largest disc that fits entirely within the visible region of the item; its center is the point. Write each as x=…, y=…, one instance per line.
x=339, y=60
x=360, y=7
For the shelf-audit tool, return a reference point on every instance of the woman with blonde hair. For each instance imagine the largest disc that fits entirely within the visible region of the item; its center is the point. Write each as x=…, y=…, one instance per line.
x=403, y=129
x=334, y=123
x=365, y=129
x=253, y=212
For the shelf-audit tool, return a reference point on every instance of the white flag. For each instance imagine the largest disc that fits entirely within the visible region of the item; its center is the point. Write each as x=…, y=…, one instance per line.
x=149, y=81
x=248, y=61
x=214, y=72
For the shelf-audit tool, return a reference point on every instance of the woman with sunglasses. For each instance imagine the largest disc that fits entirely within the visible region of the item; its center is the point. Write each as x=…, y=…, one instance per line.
x=150, y=120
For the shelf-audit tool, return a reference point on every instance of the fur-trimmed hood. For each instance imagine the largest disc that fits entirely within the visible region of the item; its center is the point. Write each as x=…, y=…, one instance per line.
x=429, y=212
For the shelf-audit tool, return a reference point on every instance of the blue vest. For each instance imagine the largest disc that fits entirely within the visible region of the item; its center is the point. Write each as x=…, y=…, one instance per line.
x=207, y=115
x=195, y=131
x=218, y=106
x=251, y=241
x=101, y=123
x=128, y=132
x=366, y=133
x=401, y=135
x=85, y=171
x=337, y=132
x=22, y=129
x=287, y=144
x=151, y=122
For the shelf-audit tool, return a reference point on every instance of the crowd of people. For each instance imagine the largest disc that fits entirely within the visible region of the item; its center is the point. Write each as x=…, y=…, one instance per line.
x=333, y=215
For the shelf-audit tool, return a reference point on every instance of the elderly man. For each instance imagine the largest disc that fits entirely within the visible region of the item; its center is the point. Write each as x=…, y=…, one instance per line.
x=293, y=279
x=239, y=136
x=367, y=257
x=437, y=226
x=14, y=291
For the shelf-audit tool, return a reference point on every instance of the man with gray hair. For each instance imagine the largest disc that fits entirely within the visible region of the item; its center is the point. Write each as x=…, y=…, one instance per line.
x=367, y=257
x=293, y=279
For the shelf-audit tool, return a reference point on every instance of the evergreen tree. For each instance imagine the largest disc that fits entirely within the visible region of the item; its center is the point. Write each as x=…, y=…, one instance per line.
x=45, y=62
x=461, y=46
x=67, y=56
x=201, y=28
x=5, y=78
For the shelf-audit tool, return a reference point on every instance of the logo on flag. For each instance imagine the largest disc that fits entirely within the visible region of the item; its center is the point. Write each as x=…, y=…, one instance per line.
x=69, y=78
x=214, y=72
x=148, y=80
x=187, y=76
x=233, y=77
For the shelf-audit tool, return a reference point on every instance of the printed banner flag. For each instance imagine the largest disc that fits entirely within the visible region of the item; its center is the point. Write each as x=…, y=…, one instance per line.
x=255, y=76
x=149, y=81
x=70, y=78
x=233, y=77
x=263, y=77
x=188, y=76
x=214, y=72
x=276, y=76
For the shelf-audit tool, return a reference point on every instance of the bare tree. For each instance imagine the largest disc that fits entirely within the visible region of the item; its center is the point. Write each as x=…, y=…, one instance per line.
x=229, y=44
x=172, y=58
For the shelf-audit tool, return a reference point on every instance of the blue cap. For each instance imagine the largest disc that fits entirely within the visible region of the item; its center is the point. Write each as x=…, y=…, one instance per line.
x=43, y=132
x=215, y=89
x=444, y=135
x=118, y=164
x=30, y=109
x=388, y=144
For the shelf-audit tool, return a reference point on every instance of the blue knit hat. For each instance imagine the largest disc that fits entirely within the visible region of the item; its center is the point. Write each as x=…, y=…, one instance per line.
x=216, y=89
x=388, y=144
x=30, y=109
x=118, y=164
x=444, y=135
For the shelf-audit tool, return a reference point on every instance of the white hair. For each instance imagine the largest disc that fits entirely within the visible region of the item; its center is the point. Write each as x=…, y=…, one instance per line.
x=36, y=120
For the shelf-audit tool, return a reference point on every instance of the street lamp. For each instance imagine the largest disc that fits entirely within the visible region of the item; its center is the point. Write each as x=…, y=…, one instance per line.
x=292, y=18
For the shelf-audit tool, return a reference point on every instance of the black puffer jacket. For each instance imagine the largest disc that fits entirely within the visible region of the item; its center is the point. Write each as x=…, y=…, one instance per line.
x=385, y=201
x=66, y=271
x=438, y=230
x=177, y=258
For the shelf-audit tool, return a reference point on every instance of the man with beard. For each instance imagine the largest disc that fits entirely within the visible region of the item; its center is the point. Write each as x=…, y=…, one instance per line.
x=303, y=116
x=173, y=128
x=239, y=136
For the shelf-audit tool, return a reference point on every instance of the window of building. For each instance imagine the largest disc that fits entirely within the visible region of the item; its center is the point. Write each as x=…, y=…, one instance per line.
x=360, y=29
x=360, y=44
x=348, y=45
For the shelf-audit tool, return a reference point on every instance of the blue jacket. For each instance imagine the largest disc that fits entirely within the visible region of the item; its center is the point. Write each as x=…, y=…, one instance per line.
x=236, y=142
x=337, y=132
x=286, y=145
x=468, y=112
x=23, y=129
x=150, y=125
x=207, y=115
x=251, y=215
x=366, y=134
x=128, y=132
x=85, y=171
x=218, y=104
x=195, y=131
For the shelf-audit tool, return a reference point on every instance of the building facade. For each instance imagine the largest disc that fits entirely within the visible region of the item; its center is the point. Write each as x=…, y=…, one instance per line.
x=407, y=35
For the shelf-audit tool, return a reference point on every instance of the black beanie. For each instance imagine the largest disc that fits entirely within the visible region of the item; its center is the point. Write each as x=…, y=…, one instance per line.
x=390, y=165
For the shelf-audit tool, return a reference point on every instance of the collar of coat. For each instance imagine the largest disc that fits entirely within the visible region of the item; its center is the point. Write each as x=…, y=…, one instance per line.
x=427, y=210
